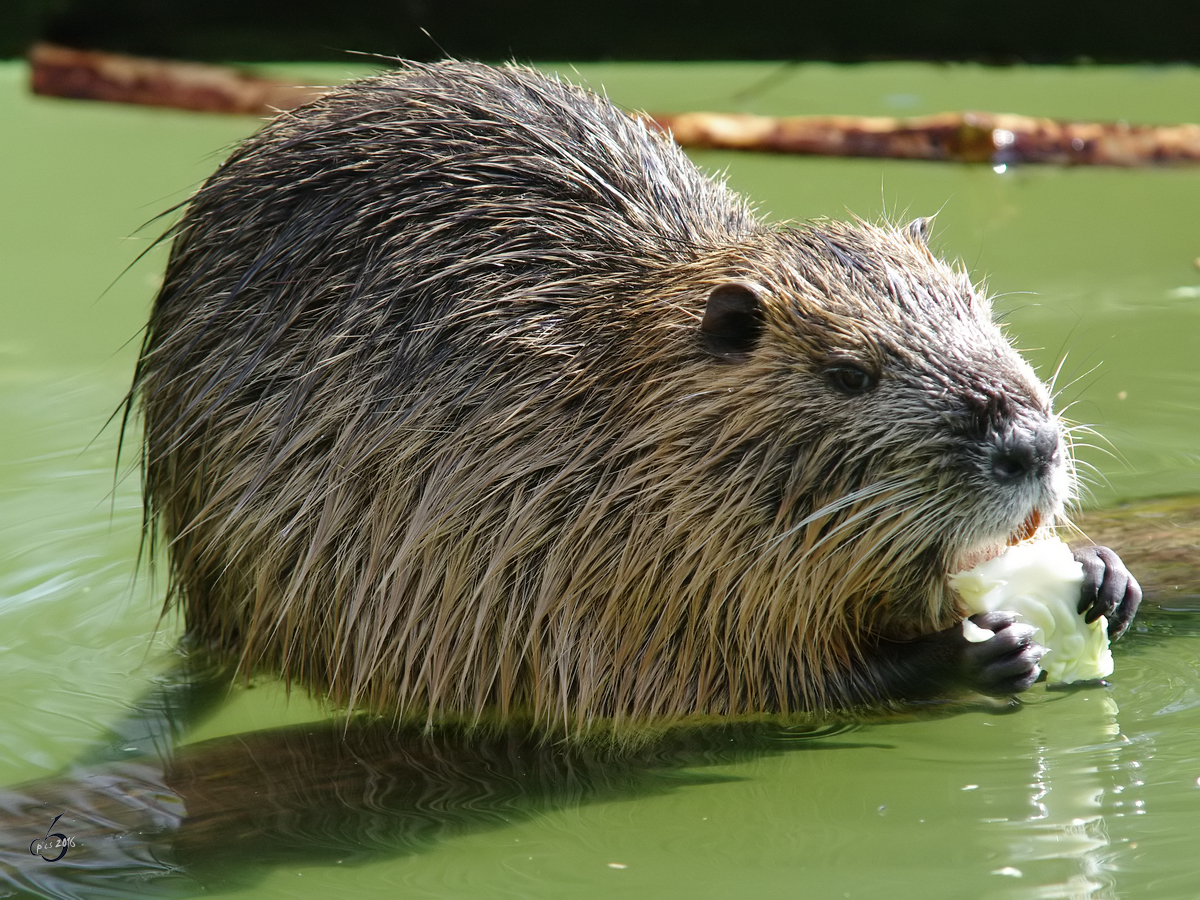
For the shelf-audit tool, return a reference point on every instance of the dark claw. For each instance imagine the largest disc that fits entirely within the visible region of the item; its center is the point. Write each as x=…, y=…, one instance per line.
x=1108, y=589
x=995, y=621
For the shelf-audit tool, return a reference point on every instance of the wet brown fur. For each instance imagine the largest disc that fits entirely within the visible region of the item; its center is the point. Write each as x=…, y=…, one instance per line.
x=429, y=424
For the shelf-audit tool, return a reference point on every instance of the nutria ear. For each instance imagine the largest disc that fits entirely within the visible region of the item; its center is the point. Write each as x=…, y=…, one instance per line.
x=918, y=230
x=733, y=319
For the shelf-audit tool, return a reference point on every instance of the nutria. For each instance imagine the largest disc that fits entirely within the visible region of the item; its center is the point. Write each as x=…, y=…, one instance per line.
x=467, y=395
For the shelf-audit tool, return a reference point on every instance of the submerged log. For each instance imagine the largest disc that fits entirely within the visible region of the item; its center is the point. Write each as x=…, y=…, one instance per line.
x=1159, y=540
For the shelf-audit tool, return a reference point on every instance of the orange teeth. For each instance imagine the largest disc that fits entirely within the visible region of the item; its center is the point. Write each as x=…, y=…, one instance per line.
x=1027, y=530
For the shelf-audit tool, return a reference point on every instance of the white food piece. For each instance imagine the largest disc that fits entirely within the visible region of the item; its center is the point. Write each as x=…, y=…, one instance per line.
x=1039, y=580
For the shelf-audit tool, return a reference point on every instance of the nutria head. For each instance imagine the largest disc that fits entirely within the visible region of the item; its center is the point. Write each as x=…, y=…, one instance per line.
x=849, y=429
x=877, y=423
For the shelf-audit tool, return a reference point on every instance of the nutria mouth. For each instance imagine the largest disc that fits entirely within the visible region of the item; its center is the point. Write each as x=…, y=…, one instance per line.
x=1027, y=529
x=976, y=555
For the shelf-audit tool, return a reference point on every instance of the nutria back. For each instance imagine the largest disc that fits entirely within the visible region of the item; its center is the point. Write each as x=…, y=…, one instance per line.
x=467, y=395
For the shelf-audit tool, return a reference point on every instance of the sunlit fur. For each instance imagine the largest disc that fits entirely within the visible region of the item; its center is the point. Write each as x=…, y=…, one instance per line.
x=429, y=424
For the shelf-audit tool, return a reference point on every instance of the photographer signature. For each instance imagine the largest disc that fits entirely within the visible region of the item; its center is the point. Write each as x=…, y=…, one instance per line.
x=56, y=843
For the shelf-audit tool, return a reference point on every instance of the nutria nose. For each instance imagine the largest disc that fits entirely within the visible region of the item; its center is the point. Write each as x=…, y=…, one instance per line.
x=1020, y=453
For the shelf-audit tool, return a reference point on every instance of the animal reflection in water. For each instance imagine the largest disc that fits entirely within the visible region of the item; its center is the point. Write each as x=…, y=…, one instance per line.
x=219, y=813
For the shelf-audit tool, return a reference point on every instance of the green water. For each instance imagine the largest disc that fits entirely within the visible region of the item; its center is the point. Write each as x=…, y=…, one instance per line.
x=1092, y=794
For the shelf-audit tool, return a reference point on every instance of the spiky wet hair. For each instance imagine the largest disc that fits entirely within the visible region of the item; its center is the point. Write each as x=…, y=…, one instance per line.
x=467, y=394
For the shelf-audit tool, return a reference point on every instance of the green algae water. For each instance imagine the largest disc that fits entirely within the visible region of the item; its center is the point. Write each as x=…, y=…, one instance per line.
x=1086, y=794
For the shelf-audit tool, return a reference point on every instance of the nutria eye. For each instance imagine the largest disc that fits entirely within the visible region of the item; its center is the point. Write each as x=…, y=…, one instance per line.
x=849, y=379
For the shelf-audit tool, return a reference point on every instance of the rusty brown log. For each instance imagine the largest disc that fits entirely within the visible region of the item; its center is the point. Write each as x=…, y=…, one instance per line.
x=978, y=137
x=89, y=75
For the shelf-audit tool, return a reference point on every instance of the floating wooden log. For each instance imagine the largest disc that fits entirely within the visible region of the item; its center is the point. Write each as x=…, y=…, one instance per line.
x=88, y=75
x=976, y=137
x=972, y=137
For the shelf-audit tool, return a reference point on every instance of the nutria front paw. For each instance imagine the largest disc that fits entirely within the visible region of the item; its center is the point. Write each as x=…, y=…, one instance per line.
x=1007, y=662
x=946, y=662
x=1108, y=589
